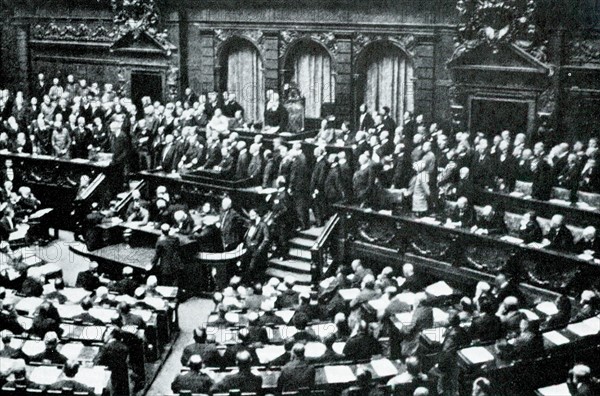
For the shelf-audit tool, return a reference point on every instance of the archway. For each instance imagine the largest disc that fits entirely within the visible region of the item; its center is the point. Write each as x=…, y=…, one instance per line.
x=310, y=67
x=385, y=79
x=241, y=72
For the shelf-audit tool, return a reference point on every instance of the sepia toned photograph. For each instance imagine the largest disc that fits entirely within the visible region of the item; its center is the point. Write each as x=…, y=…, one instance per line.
x=299, y=198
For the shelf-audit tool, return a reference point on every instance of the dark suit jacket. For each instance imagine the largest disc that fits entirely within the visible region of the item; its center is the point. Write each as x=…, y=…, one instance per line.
x=71, y=384
x=167, y=255
x=482, y=170
x=54, y=357
x=543, y=180
x=334, y=187
x=245, y=381
x=454, y=339
x=367, y=123
x=361, y=346
x=167, y=158
x=86, y=318
x=532, y=233
x=298, y=181
x=495, y=225
x=196, y=382
x=560, y=239
x=255, y=168
x=192, y=349
x=113, y=355
x=241, y=169
x=258, y=243
x=318, y=177
x=362, y=184
x=120, y=147
x=467, y=216
x=486, y=328
x=231, y=223
x=294, y=375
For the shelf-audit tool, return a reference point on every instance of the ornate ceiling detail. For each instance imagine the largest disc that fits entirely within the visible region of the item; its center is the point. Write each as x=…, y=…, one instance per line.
x=499, y=22
x=135, y=16
x=288, y=37
x=255, y=36
x=405, y=41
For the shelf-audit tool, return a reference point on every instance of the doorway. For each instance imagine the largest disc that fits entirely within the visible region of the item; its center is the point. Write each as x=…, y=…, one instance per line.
x=146, y=84
x=491, y=117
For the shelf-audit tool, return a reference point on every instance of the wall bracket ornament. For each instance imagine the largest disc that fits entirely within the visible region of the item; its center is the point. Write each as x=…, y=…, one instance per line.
x=499, y=22
x=289, y=37
x=407, y=42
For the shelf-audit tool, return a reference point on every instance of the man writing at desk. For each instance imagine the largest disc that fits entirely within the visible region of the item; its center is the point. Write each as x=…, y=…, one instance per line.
x=559, y=237
x=463, y=215
x=490, y=222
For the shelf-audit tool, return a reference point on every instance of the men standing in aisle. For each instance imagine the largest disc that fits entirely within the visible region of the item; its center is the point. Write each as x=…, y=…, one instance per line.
x=167, y=257
x=299, y=185
x=257, y=245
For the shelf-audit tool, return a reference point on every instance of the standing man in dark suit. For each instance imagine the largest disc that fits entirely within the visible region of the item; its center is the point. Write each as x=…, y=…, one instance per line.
x=482, y=166
x=230, y=224
x=365, y=120
x=317, y=186
x=81, y=139
x=363, y=181
x=454, y=339
x=334, y=188
x=244, y=379
x=543, y=179
x=167, y=257
x=388, y=122
x=121, y=150
x=530, y=230
x=297, y=373
x=299, y=185
x=168, y=155
x=590, y=176
x=257, y=245
x=113, y=355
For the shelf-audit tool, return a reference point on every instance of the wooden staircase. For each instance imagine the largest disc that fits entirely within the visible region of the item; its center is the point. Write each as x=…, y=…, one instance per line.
x=298, y=262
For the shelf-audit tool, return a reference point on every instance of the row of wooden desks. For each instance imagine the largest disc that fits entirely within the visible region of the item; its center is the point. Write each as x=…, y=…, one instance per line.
x=336, y=376
x=432, y=239
x=97, y=377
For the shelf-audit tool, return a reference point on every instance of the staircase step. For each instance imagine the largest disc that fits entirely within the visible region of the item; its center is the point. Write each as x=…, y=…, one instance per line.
x=300, y=254
x=302, y=279
x=302, y=243
x=296, y=266
x=311, y=233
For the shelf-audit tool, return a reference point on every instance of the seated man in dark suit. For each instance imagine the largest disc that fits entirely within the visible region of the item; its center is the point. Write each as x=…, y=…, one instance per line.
x=85, y=317
x=195, y=348
x=243, y=380
x=529, y=344
x=56, y=296
x=50, y=355
x=362, y=344
x=194, y=380
x=491, y=222
x=128, y=318
x=588, y=243
x=530, y=230
x=19, y=372
x=89, y=279
x=559, y=237
x=486, y=326
x=297, y=373
x=304, y=333
x=70, y=371
x=330, y=356
x=284, y=359
x=126, y=285
x=463, y=215
x=8, y=351
x=580, y=381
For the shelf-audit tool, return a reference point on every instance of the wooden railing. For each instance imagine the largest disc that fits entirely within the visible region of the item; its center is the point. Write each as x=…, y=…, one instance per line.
x=321, y=249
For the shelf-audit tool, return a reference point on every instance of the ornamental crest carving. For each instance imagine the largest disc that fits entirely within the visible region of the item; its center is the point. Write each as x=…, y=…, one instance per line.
x=407, y=42
x=287, y=37
x=499, y=22
x=256, y=36
x=73, y=32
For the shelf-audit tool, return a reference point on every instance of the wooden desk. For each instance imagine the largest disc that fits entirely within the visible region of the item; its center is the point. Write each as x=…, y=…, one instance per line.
x=372, y=235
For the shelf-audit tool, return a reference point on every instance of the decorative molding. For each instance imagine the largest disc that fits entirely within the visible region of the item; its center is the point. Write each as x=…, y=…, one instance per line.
x=407, y=42
x=499, y=22
x=547, y=101
x=289, y=37
x=68, y=32
x=585, y=51
x=257, y=37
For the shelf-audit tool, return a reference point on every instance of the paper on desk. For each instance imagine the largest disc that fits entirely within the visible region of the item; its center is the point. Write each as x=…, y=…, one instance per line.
x=40, y=213
x=338, y=347
x=68, y=311
x=349, y=294
x=72, y=350
x=75, y=294
x=104, y=314
x=438, y=289
x=32, y=261
x=232, y=317
x=28, y=304
x=285, y=314
x=585, y=257
x=45, y=375
x=555, y=390
x=143, y=313
x=516, y=194
x=313, y=350
x=536, y=245
x=20, y=233
x=511, y=239
x=167, y=291
x=582, y=329
x=556, y=338
x=287, y=331
x=33, y=347
x=547, y=308
x=323, y=330
x=559, y=202
x=429, y=220
x=435, y=334
x=95, y=377
x=25, y=322
x=529, y=314
x=268, y=353
x=380, y=304
x=439, y=317
x=384, y=368
x=477, y=355
x=338, y=374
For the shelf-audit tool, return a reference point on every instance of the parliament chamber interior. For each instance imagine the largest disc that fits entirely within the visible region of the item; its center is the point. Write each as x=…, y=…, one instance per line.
x=297, y=198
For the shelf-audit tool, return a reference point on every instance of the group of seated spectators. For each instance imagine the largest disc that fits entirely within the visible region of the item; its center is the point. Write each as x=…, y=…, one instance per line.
x=492, y=314
x=122, y=351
